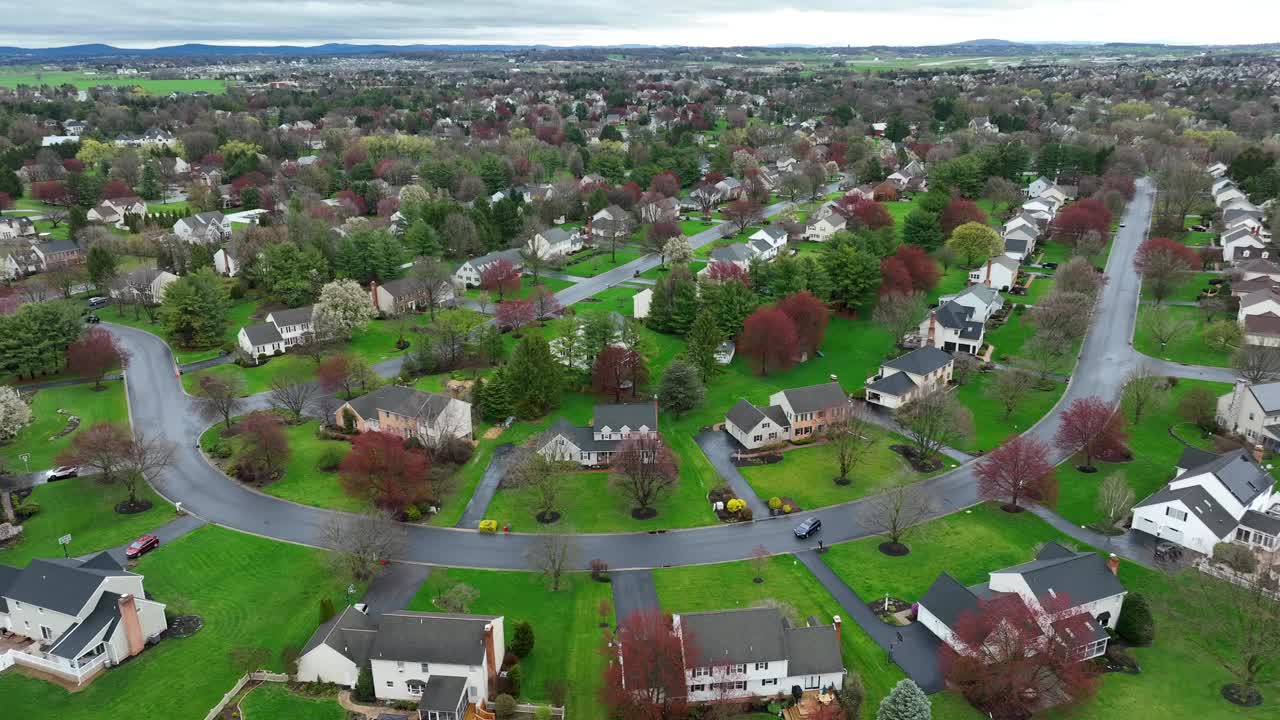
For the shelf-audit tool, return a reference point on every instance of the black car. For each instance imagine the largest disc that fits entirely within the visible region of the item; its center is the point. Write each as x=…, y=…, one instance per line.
x=92, y=319
x=808, y=528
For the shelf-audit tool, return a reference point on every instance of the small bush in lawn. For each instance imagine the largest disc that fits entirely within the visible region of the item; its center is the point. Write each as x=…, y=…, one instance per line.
x=775, y=503
x=1136, y=624
x=221, y=450
x=736, y=505
x=1237, y=557
x=542, y=713
x=515, y=676
x=330, y=458
x=26, y=510
x=488, y=526
x=412, y=513
x=504, y=706
x=522, y=642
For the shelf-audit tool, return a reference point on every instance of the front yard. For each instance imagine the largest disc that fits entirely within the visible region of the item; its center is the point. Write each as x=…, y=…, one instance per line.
x=238, y=315
x=991, y=427
x=37, y=439
x=1188, y=345
x=1188, y=291
x=603, y=261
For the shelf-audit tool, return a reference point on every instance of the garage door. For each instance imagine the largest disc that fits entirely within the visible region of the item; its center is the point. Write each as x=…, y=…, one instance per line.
x=1170, y=534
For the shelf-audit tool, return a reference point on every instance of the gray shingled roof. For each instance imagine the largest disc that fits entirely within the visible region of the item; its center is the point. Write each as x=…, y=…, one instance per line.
x=262, y=334
x=556, y=235
x=813, y=650
x=952, y=314
x=631, y=415
x=744, y=415
x=583, y=437
x=61, y=587
x=1081, y=577
x=731, y=253
x=921, y=361
x=733, y=636
x=1267, y=395
x=97, y=625
x=1261, y=521
x=442, y=693
x=947, y=599
x=1238, y=473
x=897, y=384
x=815, y=397
x=351, y=633
x=431, y=637
x=292, y=316
x=399, y=400
x=1194, y=457
x=1199, y=501
x=1017, y=245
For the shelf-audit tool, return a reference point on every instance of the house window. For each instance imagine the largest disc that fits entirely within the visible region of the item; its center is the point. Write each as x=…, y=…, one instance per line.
x=701, y=672
x=737, y=685
x=399, y=666
x=46, y=632
x=768, y=681
x=756, y=438
x=740, y=669
x=697, y=688
x=423, y=667
x=1175, y=513
x=391, y=683
x=762, y=666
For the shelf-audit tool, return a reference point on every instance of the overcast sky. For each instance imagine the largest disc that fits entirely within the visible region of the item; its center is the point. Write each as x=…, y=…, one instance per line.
x=152, y=23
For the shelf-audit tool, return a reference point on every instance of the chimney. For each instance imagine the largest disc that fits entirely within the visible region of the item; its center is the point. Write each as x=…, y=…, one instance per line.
x=987, y=282
x=1257, y=454
x=491, y=659
x=835, y=622
x=1113, y=564
x=933, y=325
x=373, y=290
x=132, y=626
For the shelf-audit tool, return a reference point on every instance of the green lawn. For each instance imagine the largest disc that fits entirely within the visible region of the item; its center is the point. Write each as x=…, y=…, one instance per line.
x=85, y=509
x=806, y=475
x=179, y=206
x=692, y=227
x=1040, y=286
x=1197, y=237
x=1155, y=454
x=615, y=299
x=1009, y=338
x=238, y=315
x=567, y=636
x=527, y=286
x=601, y=263
x=251, y=592
x=659, y=271
x=991, y=427
x=90, y=405
x=1188, y=345
x=303, y=481
x=275, y=700
x=1188, y=291
x=731, y=585
x=13, y=77
x=1178, y=681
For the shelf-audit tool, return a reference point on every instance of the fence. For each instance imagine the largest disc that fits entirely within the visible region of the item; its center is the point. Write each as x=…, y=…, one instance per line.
x=244, y=679
x=1233, y=577
x=79, y=673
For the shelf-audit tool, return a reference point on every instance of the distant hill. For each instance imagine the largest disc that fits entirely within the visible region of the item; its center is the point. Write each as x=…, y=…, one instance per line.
x=984, y=42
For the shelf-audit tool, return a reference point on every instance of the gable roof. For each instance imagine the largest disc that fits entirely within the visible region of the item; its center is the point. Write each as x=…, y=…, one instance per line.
x=947, y=599
x=897, y=384
x=350, y=633
x=921, y=361
x=261, y=334
x=96, y=625
x=734, y=253
x=431, y=637
x=399, y=400
x=1197, y=500
x=1194, y=456
x=60, y=587
x=723, y=637
x=1238, y=473
x=1082, y=576
x=1261, y=296
x=815, y=397
x=631, y=415
x=292, y=316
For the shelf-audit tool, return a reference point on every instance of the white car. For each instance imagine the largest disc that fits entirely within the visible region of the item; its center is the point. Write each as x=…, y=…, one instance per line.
x=62, y=473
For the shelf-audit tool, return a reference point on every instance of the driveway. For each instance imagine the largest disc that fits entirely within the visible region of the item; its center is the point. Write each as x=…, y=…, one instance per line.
x=719, y=447
x=393, y=588
x=480, y=499
x=633, y=591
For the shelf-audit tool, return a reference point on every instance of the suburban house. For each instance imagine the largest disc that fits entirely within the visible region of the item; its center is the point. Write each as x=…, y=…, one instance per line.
x=596, y=443
x=397, y=296
x=80, y=615
x=113, y=211
x=409, y=413
x=443, y=662
x=205, y=227
x=610, y=222
x=145, y=285
x=281, y=330
x=791, y=415
x=768, y=242
x=17, y=260
x=821, y=230
x=471, y=272
x=1000, y=272
x=1262, y=302
x=12, y=228
x=755, y=652
x=1081, y=590
x=1252, y=411
x=738, y=254
x=665, y=209
x=225, y=262
x=985, y=301
x=1242, y=243
x=58, y=252
x=953, y=327
x=640, y=303
x=1038, y=186
x=1217, y=169
x=1213, y=499
x=555, y=242
x=913, y=375
x=1260, y=269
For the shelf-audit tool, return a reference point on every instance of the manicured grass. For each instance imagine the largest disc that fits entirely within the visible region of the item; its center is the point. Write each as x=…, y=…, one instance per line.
x=806, y=475
x=953, y=280
x=179, y=206
x=91, y=406
x=1040, y=287
x=275, y=700
x=1155, y=454
x=1190, y=290
x=1187, y=346
x=238, y=315
x=251, y=592
x=615, y=299
x=991, y=427
x=567, y=635
x=1178, y=680
x=731, y=585
x=654, y=273
x=85, y=509
x=693, y=227
x=256, y=379
x=1197, y=237
x=303, y=481
x=1009, y=338
x=589, y=504
x=601, y=263
x=35, y=77
x=527, y=286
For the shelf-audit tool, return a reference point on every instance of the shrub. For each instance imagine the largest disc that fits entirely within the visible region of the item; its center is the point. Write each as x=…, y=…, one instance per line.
x=412, y=513
x=786, y=509
x=745, y=513
x=1236, y=557
x=522, y=642
x=504, y=706
x=1136, y=624
x=364, y=685
x=26, y=510
x=221, y=450
x=330, y=458
x=775, y=503
x=326, y=609
x=599, y=569
x=736, y=505
x=278, y=352
x=488, y=526
x=289, y=655
x=455, y=451
x=237, y=290
x=542, y=713
x=228, y=348
x=515, y=676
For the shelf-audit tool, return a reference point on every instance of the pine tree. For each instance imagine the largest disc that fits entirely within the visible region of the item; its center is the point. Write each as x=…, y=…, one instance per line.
x=538, y=386
x=150, y=188
x=681, y=388
x=422, y=238
x=905, y=702
x=495, y=398
x=684, y=305
x=704, y=339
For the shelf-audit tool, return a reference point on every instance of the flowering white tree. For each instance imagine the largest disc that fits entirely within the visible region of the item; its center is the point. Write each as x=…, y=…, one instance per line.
x=14, y=413
x=678, y=250
x=343, y=307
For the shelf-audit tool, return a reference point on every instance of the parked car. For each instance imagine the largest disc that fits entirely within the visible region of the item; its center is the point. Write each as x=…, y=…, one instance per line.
x=92, y=319
x=808, y=528
x=62, y=473
x=96, y=302
x=142, y=546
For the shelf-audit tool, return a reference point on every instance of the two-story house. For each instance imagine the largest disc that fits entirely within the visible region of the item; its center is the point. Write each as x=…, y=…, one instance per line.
x=471, y=272
x=443, y=662
x=409, y=413
x=821, y=230
x=405, y=294
x=281, y=330
x=1252, y=411
x=12, y=228
x=610, y=223
x=756, y=653
x=226, y=262
x=952, y=327
x=1213, y=499
x=81, y=616
x=114, y=211
x=999, y=272
x=144, y=285
x=58, y=252
x=597, y=443
x=205, y=227
x=793, y=414
x=554, y=243
x=1077, y=596
x=913, y=375
x=768, y=242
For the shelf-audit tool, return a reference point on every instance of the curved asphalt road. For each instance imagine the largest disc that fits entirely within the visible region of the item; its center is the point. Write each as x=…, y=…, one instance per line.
x=159, y=406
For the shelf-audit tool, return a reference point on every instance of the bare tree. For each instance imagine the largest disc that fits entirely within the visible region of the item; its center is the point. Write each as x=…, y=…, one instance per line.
x=895, y=512
x=219, y=397
x=935, y=421
x=899, y=313
x=431, y=284
x=292, y=394
x=145, y=458
x=1257, y=364
x=1142, y=387
x=1115, y=499
x=554, y=554
x=1009, y=389
x=644, y=470
x=65, y=277
x=543, y=474
x=362, y=542
x=1046, y=351
x=35, y=289
x=850, y=438
x=1164, y=325
x=315, y=348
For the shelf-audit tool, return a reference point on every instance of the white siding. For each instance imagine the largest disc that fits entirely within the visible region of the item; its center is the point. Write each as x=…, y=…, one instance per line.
x=324, y=664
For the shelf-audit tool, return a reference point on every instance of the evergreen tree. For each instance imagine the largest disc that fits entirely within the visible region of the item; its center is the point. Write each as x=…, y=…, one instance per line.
x=684, y=304
x=522, y=642
x=422, y=239
x=10, y=184
x=150, y=187
x=923, y=229
x=681, y=388
x=495, y=398
x=77, y=220
x=101, y=264
x=730, y=303
x=704, y=339
x=292, y=275
x=539, y=382
x=364, y=685
x=195, y=309
x=326, y=609
x=853, y=275
x=905, y=702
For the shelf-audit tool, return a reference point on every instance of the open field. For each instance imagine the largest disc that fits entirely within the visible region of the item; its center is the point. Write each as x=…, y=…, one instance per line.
x=13, y=77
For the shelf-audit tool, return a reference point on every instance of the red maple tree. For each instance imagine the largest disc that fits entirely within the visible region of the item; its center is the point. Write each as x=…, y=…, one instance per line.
x=722, y=270
x=810, y=317
x=618, y=369
x=869, y=213
x=95, y=354
x=1017, y=469
x=116, y=189
x=53, y=192
x=514, y=314
x=769, y=336
x=742, y=212
x=381, y=468
x=666, y=184
x=644, y=676
x=264, y=448
x=6, y=202
x=1085, y=428
x=1073, y=221
x=895, y=278
x=960, y=211
x=500, y=277
x=923, y=268
x=1154, y=252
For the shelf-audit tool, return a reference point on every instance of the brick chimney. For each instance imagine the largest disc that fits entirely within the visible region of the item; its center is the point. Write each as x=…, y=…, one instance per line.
x=1113, y=564
x=933, y=325
x=491, y=660
x=1257, y=454
x=835, y=622
x=132, y=625
x=373, y=290
x=987, y=282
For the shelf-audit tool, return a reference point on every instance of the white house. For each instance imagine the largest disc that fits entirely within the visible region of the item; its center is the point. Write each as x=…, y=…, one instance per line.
x=913, y=375
x=999, y=272
x=1077, y=595
x=113, y=211
x=754, y=652
x=984, y=300
x=952, y=327
x=444, y=662
x=597, y=443
x=471, y=272
x=555, y=242
x=12, y=228
x=821, y=230
x=1217, y=169
x=1262, y=302
x=768, y=242
x=84, y=615
x=1243, y=243
x=1219, y=498
x=281, y=330
x=1038, y=186
x=1252, y=411
x=409, y=413
x=756, y=427
x=610, y=222
x=793, y=413
x=205, y=227
x=145, y=285
x=640, y=304
x=225, y=262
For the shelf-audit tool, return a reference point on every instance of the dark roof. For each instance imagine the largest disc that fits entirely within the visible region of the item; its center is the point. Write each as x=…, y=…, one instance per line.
x=1268, y=397
x=1265, y=324
x=556, y=235
x=442, y=693
x=1017, y=245
x=97, y=625
x=431, y=637
x=952, y=314
x=1083, y=577
x=1080, y=629
x=103, y=561
x=921, y=361
x=1238, y=472
x=815, y=397
x=7, y=576
x=1199, y=501
x=631, y=415
x=733, y=636
x=736, y=252
x=63, y=588
x=1194, y=457
x=813, y=650
x=947, y=599
x=292, y=316
x=897, y=384
x=511, y=255
x=744, y=415
x=262, y=334
x=58, y=246
x=1269, y=524
x=351, y=633
x=583, y=437
x=399, y=400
